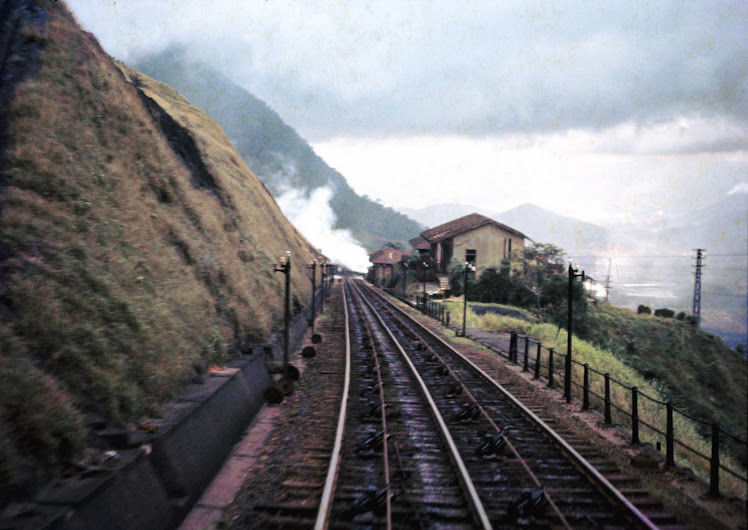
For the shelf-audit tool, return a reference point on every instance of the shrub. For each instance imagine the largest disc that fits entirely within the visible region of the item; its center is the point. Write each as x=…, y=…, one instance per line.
x=664, y=313
x=681, y=316
x=643, y=310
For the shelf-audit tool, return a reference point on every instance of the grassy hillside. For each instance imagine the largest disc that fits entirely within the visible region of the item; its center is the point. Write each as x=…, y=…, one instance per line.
x=693, y=369
x=700, y=375
x=136, y=248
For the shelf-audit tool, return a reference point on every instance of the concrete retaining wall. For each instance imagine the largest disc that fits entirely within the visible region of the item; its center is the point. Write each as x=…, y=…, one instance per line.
x=160, y=476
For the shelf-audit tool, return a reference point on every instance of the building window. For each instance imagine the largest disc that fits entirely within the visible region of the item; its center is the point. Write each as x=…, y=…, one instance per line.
x=510, y=247
x=470, y=255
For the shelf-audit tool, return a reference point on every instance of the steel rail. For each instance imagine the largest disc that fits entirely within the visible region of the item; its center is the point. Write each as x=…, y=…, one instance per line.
x=603, y=485
x=466, y=391
x=383, y=410
x=323, y=513
x=477, y=505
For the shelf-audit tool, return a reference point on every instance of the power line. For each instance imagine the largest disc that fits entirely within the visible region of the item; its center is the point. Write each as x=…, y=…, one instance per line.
x=635, y=256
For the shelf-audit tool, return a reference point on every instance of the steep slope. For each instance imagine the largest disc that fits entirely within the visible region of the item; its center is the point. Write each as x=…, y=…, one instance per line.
x=136, y=248
x=693, y=369
x=277, y=154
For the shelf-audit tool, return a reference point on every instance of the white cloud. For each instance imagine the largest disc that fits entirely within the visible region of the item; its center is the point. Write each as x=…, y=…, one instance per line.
x=314, y=218
x=448, y=67
x=616, y=174
x=739, y=188
x=611, y=112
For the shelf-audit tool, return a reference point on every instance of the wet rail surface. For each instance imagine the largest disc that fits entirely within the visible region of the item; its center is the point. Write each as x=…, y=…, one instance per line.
x=380, y=455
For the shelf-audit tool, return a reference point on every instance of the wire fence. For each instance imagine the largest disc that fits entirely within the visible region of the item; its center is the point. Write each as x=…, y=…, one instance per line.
x=619, y=403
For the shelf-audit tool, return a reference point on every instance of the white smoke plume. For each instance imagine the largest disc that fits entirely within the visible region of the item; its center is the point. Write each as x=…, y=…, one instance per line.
x=314, y=218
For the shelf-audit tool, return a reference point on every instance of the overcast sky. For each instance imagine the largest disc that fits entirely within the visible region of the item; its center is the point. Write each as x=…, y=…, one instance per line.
x=604, y=111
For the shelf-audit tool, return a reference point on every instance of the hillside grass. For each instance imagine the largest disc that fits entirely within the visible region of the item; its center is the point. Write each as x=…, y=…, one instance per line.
x=121, y=279
x=690, y=433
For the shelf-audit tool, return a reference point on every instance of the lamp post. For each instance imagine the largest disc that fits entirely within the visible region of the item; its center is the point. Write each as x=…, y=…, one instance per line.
x=323, y=273
x=313, y=267
x=425, y=273
x=285, y=268
x=468, y=267
x=567, y=368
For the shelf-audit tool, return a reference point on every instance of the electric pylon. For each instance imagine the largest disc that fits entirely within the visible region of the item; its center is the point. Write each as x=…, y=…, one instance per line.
x=696, y=311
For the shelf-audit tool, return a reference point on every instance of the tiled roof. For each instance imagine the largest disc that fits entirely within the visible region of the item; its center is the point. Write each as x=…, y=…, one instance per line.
x=461, y=225
x=388, y=256
x=419, y=243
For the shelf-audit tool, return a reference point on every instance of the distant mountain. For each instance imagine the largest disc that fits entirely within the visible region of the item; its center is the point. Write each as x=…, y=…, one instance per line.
x=543, y=226
x=540, y=225
x=274, y=151
x=720, y=228
x=437, y=214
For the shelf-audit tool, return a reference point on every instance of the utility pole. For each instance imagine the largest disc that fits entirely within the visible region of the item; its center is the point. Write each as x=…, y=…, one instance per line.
x=285, y=268
x=607, y=280
x=313, y=267
x=567, y=368
x=696, y=311
x=468, y=268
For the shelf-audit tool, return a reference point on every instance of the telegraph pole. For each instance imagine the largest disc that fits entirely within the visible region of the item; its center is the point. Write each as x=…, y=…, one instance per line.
x=567, y=368
x=285, y=268
x=607, y=280
x=313, y=267
x=696, y=311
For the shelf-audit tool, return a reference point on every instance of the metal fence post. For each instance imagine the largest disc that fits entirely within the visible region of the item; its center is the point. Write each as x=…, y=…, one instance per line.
x=550, y=367
x=607, y=419
x=669, y=437
x=537, y=362
x=714, y=472
x=513, y=346
x=586, y=388
x=448, y=315
x=634, y=416
x=526, y=364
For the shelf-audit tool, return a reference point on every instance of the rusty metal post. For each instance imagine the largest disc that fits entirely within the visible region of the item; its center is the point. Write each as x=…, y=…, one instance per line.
x=313, y=266
x=513, y=346
x=285, y=268
x=669, y=437
x=567, y=370
x=550, y=367
x=322, y=273
x=608, y=419
x=714, y=464
x=468, y=267
x=586, y=388
x=537, y=362
x=634, y=416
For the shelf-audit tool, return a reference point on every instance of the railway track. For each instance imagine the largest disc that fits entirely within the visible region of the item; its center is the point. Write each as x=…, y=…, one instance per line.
x=425, y=438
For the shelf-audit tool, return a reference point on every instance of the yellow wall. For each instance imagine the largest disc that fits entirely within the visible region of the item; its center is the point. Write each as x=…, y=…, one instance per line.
x=490, y=243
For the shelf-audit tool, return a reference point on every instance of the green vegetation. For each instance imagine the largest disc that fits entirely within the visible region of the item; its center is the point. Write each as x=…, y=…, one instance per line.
x=122, y=274
x=693, y=369
x=689, y=381
x=664, y=355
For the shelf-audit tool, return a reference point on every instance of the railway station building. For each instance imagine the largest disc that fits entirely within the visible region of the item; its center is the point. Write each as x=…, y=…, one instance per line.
x=384, y=262
x=474, y=238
